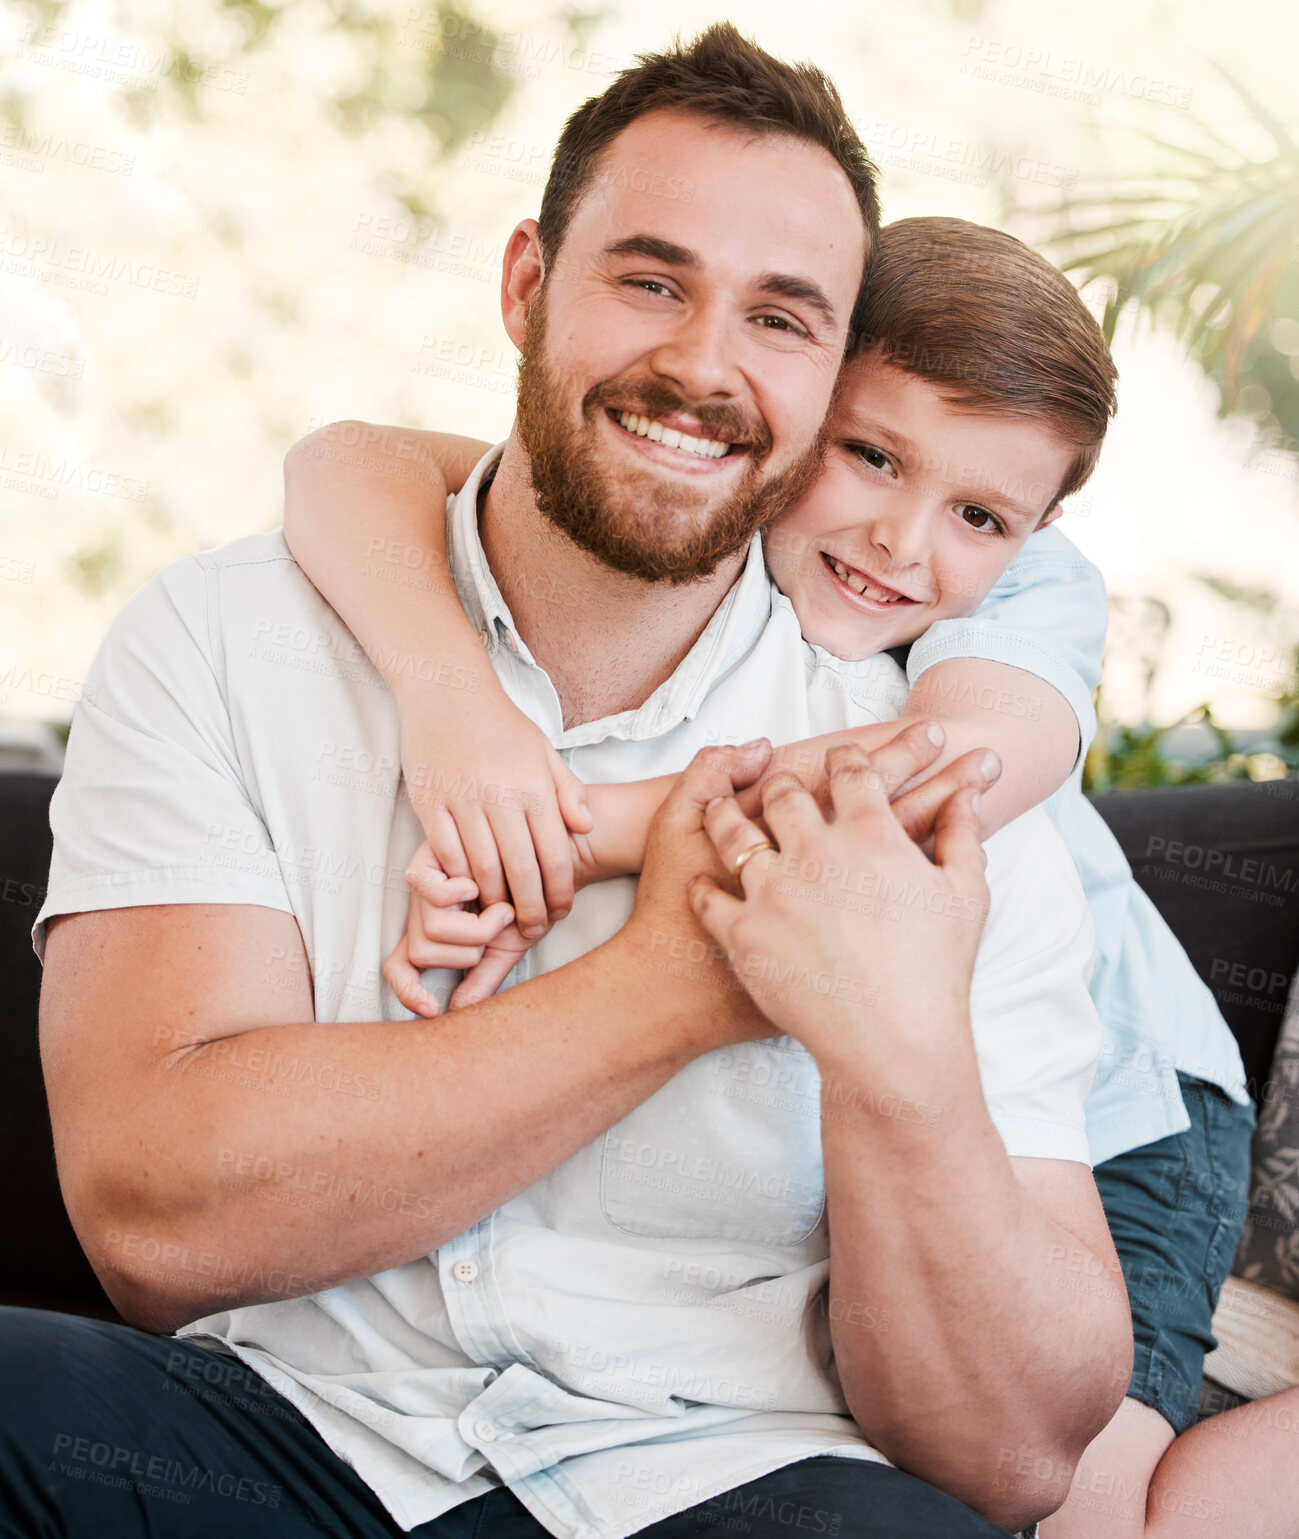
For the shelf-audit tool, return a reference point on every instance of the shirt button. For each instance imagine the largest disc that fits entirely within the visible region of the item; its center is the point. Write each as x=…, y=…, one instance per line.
x=465, y=1271
x=510, y=641
x=484, y=1432
x=485, y=636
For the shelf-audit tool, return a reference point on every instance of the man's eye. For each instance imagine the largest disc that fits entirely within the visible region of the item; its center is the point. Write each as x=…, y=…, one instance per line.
x=649, y=283
x=782, y=323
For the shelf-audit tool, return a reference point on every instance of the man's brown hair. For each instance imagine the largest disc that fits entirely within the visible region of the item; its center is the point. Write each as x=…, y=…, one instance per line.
x=994, y=326
x=725, y=78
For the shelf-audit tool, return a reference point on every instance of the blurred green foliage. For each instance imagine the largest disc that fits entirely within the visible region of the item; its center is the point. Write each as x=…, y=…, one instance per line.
x=1127, y=758
x=1205, y=242
x=1123, y=758
x=437, y=66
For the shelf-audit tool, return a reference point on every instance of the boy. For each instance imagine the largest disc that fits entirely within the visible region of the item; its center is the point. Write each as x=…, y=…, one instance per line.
x=939, y=467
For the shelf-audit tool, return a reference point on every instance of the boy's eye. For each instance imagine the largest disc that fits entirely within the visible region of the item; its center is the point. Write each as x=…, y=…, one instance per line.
x=979, y=518
x=875, y=458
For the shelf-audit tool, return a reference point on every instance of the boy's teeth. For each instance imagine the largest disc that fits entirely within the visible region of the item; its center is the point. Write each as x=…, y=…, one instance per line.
x=672, y=438
x=858, y=584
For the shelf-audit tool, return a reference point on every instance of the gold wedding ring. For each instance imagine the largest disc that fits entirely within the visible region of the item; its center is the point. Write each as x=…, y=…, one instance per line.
x=745, y=856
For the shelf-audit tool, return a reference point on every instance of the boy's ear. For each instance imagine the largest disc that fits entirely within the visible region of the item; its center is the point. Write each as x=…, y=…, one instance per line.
x=1050, y=516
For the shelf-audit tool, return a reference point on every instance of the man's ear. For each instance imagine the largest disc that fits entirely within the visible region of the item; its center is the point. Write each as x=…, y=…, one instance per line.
x=521, y=275
x=1050, y=516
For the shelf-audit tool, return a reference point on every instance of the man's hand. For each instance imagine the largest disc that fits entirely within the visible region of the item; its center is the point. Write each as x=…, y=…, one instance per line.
x=442, y=930
x=663, y=932
x=869, y=930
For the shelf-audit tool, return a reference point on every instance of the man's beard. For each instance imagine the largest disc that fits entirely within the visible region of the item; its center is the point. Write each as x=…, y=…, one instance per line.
x=648, y=527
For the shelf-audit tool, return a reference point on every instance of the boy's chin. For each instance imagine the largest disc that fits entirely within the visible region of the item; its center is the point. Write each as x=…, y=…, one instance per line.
x=849, y=645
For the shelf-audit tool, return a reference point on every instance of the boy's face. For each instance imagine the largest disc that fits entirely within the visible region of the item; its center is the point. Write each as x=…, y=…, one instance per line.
x=920, y=505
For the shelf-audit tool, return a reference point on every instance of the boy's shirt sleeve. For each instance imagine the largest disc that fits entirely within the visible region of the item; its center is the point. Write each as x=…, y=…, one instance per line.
x=1047, y=615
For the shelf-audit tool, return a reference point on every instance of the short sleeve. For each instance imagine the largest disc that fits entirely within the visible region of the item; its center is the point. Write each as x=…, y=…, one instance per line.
x=1047, y=615
x=1036, y=1031
x=152, y=806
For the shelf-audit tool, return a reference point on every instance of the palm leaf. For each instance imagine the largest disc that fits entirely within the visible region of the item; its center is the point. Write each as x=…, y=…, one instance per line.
x=1210, y=217
x=1280, y=134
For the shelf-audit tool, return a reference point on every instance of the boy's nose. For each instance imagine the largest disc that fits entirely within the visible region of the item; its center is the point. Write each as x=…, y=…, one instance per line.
x=903, y=539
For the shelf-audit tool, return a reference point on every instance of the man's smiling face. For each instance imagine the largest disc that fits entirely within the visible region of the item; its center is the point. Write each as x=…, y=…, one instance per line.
x=679, y=357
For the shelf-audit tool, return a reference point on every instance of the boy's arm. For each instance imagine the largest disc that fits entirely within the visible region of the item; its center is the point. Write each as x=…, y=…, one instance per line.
x=1018, y=674
x=1026, y=722
x=622, y=813
x=1028, y=725
x=365, y=518
x=1047, y=614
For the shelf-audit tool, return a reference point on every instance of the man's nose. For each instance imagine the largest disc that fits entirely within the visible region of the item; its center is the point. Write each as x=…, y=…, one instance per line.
x=699, y=356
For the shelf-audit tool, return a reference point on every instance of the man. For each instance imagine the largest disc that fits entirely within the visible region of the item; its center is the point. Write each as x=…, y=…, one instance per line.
x=414, y=1233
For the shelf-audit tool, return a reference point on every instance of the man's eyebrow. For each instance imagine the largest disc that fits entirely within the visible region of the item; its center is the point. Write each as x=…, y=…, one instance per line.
x=653, y=247
x=787, y=285
x=791, y=287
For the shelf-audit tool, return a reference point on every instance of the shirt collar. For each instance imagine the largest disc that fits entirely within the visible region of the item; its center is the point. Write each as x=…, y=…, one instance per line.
x=732, y=631
x=476, y=587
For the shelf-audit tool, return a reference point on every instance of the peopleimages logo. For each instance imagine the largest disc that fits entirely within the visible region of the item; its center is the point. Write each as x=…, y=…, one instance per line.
x=1216, y=868
x=172, y=1478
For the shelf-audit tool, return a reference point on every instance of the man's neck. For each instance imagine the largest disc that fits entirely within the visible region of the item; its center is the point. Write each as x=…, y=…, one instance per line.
x=606, y=640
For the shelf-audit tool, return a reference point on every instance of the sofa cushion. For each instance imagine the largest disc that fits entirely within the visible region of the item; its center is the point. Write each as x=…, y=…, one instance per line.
x=47, y=1266
x=1269, y=1247
x=1221, y=864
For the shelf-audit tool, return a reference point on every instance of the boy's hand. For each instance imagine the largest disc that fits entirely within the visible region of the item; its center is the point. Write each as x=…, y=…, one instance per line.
x=442, y=932
x=915, y=806
x=876, y=936
x=502, y=817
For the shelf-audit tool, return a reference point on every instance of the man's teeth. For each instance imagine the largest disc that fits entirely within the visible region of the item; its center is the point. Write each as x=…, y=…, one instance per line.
x=859, y=584
x=672, y=438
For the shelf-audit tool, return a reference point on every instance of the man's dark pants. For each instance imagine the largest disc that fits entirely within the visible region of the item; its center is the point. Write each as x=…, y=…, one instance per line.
x=108, y=1432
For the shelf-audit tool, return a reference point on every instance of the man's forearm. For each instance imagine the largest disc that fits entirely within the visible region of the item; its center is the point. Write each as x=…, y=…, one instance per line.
x=958, y=1355
x=281, y=1159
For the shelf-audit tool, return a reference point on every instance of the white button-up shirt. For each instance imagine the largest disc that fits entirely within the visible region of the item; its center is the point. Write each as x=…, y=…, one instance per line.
x=646, y=1326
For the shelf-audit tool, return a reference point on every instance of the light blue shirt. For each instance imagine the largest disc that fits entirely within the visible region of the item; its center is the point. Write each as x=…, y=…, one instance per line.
x=1048, y=616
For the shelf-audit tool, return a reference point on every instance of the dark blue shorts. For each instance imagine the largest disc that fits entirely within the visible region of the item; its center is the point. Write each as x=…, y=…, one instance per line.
x=1176, y=1208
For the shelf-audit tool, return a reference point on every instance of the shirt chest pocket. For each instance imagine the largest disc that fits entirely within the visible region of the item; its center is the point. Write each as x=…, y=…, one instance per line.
x=730, y=1149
